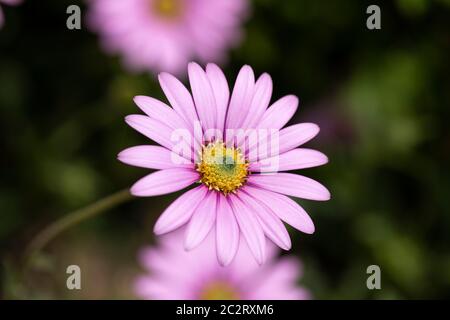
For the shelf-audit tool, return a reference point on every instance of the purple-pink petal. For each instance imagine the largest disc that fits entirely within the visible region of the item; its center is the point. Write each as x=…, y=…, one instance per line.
x=295, y=159
x=240, y=98
x=202, y=221
x=180, y=211
x=260, y=101
x=288, y=139
x=179, y=97
x=272, y=226
x=279, y=113
x=221, y=91
x=152, y=129
x=294, y=185
x=279, y=282
x=164, y=181
x=153, y=157
x=227, y=232
x=161, y=112
x=285, y=208
x=296, y=135
x=203, y=95
x=250, y=228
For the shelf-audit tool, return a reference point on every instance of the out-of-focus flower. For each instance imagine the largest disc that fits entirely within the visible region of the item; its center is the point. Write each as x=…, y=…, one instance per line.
x=164, y=35
x=234, y=148
x=8, y=2
x=177, y=274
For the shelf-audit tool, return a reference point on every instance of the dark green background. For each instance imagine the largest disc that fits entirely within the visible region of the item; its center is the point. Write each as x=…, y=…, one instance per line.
x=382, y=99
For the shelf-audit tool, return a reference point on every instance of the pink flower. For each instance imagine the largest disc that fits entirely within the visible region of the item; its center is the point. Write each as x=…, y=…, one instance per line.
x=241, y=190
x=8, y=2
x=178, y=275
x=164, y=35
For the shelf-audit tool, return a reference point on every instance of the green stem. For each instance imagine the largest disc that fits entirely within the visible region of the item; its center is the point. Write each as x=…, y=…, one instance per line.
x=72, y=219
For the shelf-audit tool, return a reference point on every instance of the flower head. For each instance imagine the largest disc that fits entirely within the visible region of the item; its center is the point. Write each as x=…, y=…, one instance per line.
x=8, y=2
x=164, y=35
x=235, y=150
x=201, y=278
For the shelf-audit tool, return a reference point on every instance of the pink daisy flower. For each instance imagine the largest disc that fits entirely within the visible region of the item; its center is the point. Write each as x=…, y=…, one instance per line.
x=201, y=278
x=242, y=187
x=164, y=35
x=8, y=2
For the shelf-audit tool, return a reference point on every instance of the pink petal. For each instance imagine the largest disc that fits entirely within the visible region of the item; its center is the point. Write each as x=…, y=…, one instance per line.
x=160, y=111
x=227, y=232
x=278, y=281
x=163, y=113
x=153, y=157
x=288, y=139
x=240, y=98
x=296, y=135
x=270, y=223
x=292, y=160
x=152, y=129
x=292, y=185
x=179, y=97
x=162, y=263
x=221, y=91
x=260, y=101
x=180, y=211
x=158, y=289
x=279, y=113
x=250, y=228
x=202, y=92
x=285, y=208
x=202, y=221
x=164, y=181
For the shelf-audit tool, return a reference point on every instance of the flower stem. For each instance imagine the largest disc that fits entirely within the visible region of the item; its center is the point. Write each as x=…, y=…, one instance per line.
x=72, y=219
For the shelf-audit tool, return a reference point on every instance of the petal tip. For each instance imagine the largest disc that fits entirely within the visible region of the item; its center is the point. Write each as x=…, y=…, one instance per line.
x=158, y=229
x=326, y=194
x=223, y=262
x=129, y=118
x=194, y=64
x=188, y=245
x=121, y=155
x=212, y=65
x=310, y=230
x=246, y=68
x=314, y=126
x=139, y=97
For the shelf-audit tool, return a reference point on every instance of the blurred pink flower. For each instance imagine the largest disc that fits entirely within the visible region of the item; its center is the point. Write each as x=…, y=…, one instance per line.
x=164, y=35
x=8, y=2
x=238, y=192
x=177, y=275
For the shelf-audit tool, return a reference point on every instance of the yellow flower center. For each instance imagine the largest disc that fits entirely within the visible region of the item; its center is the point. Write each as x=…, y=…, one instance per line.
x=222, y=168
x=219, y=291
x=168, y=8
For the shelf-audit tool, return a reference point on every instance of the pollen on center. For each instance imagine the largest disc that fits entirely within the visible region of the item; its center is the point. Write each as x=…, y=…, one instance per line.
x=222, y=168
x=167, y=8
x=219, y=291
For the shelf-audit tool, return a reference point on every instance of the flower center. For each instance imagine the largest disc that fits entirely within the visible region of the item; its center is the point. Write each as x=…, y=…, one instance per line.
x=219, y=290
x=168, y=8
x=221, y=168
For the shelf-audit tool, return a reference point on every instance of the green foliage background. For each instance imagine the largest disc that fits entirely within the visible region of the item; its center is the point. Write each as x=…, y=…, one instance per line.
x=381, y=97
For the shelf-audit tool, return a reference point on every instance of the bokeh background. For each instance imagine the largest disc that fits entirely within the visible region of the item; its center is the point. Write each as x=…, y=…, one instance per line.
x=381, y=98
